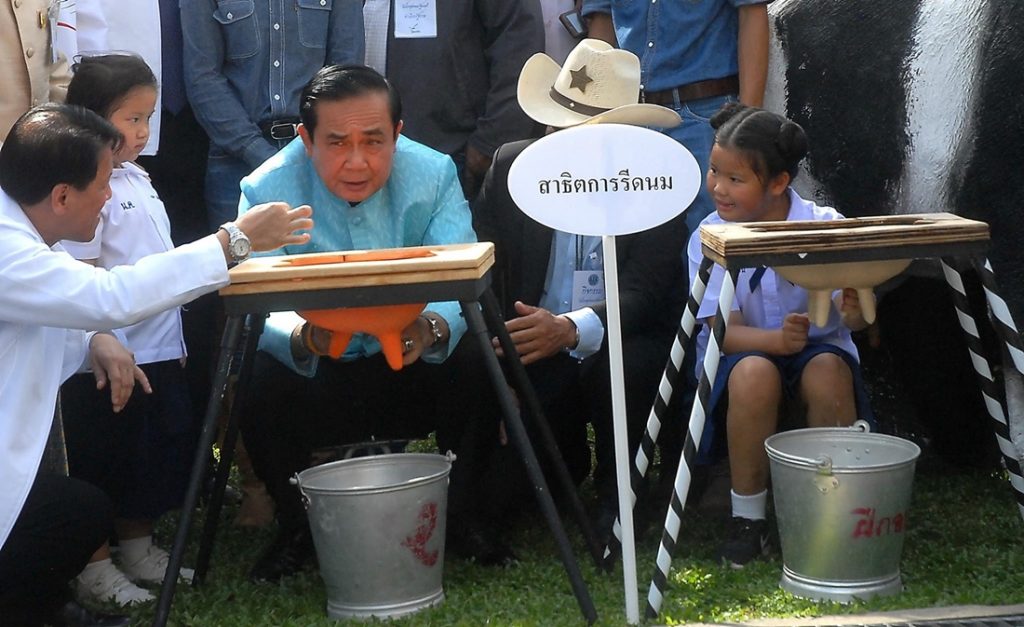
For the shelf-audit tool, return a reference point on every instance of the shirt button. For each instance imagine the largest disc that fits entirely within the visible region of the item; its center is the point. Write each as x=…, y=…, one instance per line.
x=277, y=96
x=357, y=220
x=323, y=3
x=650, y=44
x=277, y=27
x=277, y=64
x=230, y=16
x=17, y=3
x=29, y=52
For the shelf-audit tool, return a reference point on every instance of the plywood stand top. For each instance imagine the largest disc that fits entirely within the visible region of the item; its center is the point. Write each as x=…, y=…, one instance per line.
x=453, y=262
x=849, y=239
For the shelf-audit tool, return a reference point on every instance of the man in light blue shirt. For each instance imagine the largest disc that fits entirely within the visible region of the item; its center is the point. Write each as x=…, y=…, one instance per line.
x=245, y=62
x=369, y=188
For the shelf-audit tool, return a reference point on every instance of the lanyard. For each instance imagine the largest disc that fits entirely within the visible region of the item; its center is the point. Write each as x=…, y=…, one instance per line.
x=579, y=252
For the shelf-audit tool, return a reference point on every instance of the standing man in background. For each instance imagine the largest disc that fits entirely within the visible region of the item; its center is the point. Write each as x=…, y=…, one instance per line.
x=694, y=57
x=456, y=63
x=245, y=64
x=31, y=73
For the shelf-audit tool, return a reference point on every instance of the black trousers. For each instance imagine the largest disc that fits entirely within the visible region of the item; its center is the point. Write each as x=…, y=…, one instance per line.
x=62, y=523
x=573, y=393
x=348, y=402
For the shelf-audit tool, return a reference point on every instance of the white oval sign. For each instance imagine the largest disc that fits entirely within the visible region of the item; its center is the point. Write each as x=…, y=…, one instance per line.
x=604, y=179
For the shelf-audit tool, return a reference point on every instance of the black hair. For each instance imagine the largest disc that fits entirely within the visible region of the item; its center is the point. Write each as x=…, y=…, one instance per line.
x=102, y=82
x=338, y=82
x=773, y=143
x=53, y=144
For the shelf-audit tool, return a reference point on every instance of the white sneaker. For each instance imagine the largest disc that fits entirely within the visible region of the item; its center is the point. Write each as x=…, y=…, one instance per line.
x=110, y=584
x=152, y=566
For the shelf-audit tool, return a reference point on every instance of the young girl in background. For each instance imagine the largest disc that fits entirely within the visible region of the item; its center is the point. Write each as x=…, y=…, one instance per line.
x=773, y=359
x=141, y=456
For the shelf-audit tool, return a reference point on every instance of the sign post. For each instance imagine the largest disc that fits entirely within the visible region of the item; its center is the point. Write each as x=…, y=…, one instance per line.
x=607, y=180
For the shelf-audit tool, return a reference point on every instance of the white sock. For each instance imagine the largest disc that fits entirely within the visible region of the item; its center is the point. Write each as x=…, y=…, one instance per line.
x=94, y=570
x=751, y=507
x=135, y=549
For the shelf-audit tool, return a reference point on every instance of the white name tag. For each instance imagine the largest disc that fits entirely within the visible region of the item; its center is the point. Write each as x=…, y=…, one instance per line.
x=587, y=288
x=415, y=19
x=62, y=15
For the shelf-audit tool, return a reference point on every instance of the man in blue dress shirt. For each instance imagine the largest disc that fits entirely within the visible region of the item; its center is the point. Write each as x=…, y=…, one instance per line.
x=369, y=188
x=694, y=57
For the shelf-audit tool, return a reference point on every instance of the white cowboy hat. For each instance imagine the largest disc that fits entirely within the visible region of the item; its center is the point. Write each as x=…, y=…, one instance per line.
x=598, y=84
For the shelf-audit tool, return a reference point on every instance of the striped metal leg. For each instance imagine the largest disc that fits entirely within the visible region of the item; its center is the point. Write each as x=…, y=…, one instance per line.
x=990, y=390
x=1003, y=322
x=665, y=389
x=698, y=414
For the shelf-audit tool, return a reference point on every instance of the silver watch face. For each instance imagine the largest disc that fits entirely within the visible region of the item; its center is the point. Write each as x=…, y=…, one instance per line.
x=240, y=248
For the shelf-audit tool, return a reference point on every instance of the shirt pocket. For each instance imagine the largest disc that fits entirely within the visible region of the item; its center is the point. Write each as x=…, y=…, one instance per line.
x=237, y=22
x=314, y=16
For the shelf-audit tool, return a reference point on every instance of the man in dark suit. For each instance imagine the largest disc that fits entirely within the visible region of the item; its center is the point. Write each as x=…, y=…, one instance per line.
x=558, y=332
x=458, y=60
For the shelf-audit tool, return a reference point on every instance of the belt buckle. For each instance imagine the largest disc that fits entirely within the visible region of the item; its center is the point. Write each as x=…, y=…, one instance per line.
x=282, y=130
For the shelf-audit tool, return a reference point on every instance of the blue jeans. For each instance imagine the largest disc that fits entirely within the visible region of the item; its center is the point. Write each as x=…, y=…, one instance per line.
x=224, y=172
x=696, y=134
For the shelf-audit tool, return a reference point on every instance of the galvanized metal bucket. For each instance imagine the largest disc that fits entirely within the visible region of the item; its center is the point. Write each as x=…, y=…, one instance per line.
x=378, y=524
x=841, y=498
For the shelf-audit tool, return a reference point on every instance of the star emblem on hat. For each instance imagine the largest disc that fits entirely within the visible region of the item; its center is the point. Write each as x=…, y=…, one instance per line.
x=580, y=80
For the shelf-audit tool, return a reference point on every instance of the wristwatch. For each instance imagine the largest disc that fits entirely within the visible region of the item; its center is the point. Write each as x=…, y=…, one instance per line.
x=238, y=243
x=435, y=329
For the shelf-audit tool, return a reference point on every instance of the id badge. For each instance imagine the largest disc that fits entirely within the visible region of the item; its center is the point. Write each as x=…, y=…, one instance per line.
x=415, y=19
x=62, y=16
x=587, y=288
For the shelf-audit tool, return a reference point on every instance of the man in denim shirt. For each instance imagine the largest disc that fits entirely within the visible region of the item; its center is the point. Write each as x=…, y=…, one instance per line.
x=695, y=55
x=246, y=62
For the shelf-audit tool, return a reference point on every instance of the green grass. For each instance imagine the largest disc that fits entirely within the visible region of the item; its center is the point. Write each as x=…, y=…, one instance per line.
x=963, y=546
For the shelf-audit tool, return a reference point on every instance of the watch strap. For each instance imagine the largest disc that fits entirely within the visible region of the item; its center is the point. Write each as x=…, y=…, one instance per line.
x=435, y=329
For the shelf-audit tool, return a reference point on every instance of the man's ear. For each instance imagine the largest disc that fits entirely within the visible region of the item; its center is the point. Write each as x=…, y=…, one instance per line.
x=59, y=198
x=398, y=129
x=307, y=139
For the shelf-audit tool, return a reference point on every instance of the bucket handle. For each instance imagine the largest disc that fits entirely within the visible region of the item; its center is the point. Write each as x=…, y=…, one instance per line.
x=295, y=481
x=823, y=464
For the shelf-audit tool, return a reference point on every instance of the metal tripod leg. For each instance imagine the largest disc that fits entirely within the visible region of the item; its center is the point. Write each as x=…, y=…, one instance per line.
x=229, y=340
x=517, y=432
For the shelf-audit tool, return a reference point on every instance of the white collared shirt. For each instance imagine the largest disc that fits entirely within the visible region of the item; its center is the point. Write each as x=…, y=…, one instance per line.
x=767, y=306
x=134, y=224
x=44, y=292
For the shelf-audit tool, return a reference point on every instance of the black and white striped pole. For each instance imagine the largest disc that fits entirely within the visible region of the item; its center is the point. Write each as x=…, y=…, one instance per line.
x=669, y=378
x=695, y=428
x=990, y=389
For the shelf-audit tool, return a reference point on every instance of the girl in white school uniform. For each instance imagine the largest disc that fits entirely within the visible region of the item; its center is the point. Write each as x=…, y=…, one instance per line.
x=773, y=358
x=141, y=456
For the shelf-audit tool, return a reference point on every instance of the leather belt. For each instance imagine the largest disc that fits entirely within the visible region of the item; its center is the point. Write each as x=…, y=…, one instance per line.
x=693, y=91
x=280, y=129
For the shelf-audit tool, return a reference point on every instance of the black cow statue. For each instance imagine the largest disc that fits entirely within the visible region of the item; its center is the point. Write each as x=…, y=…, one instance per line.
x=917, y=106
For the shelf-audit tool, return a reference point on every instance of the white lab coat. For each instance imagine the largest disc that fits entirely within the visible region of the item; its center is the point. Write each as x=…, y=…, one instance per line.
x=44, y=292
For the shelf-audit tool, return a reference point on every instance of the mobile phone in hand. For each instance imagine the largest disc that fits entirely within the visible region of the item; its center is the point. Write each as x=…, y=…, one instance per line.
x=573, y=23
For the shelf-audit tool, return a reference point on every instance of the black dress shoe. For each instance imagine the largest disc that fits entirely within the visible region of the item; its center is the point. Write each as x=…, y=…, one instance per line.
x=480, y=546
x=289, y=553
x=75, y=615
